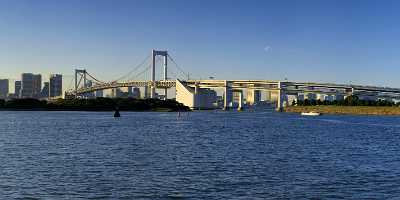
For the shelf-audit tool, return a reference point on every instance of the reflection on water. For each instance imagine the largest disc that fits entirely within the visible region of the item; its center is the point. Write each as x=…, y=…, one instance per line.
x=199, y=155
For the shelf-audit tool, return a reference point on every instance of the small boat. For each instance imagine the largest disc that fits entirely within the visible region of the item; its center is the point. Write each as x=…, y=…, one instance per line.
x=312, y=113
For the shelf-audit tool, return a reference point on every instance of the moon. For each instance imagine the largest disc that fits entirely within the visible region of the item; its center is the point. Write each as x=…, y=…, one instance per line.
x=267, y=48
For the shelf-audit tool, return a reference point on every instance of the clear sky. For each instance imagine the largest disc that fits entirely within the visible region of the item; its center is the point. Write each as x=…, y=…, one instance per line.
x=338, y=41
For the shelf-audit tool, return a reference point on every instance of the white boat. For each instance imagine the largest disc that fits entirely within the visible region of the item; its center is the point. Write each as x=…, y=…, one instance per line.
x=311, y=113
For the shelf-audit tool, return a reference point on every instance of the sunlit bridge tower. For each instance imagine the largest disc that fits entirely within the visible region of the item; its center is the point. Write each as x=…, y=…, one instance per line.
x=156, y=53
x=82, y=75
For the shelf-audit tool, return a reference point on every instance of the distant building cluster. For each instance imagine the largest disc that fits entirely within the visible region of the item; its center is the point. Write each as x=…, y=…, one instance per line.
x=130, y=92
x=31, y=86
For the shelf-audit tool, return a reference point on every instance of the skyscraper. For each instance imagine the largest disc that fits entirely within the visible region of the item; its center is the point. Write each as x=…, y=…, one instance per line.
x=99, y=93
x=116, y=93
x=135, y=92
x=45, y=90
x=55, y=85
x=17, y=89
x=89, y=83
x=146, y=92
x=4, y=88
x=31, y=86
x=37, y=85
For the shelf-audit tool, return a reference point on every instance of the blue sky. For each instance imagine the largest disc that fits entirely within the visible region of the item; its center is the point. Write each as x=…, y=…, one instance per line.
x=327, y=41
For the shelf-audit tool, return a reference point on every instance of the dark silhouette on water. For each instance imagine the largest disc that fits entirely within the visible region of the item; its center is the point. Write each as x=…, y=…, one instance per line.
x=116, y=114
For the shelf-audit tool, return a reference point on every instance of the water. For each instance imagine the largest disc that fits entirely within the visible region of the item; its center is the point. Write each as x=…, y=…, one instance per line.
x=200, y=155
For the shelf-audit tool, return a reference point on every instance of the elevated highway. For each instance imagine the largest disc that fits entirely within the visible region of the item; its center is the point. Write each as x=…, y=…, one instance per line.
x=282, y=88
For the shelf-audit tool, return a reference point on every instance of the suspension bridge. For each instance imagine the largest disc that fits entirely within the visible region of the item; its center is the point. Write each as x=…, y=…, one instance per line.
x=200, y=93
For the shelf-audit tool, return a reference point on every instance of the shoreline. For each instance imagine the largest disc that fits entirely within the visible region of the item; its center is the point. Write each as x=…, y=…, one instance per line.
x=94, y=105
x=88, y=110
x=346, y=110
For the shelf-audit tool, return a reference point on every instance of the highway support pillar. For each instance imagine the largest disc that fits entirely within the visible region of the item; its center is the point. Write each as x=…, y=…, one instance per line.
x=196, y=101
x=240, y=100
x=281, y=98
x=227, y=96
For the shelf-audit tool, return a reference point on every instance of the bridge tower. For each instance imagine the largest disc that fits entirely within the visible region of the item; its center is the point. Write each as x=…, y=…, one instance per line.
x=82, y=75
x=156, y=53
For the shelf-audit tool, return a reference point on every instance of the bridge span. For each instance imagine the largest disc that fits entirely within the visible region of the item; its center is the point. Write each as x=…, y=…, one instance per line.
x=189, y=91
x=201, y=93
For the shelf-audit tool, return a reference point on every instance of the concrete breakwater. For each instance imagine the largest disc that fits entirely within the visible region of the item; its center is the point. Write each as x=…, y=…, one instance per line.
x=356, y=110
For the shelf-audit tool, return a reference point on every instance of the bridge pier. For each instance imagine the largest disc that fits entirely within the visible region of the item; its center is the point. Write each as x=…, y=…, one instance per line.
x=240, y=100
x=253, y=97
x=196, y=96
x=227, y=96
x=82, y=73
x=279, y=103
x=282, y=98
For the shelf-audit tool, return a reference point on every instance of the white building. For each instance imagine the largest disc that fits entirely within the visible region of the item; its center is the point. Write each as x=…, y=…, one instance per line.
x=195, y=98
x=291, y=98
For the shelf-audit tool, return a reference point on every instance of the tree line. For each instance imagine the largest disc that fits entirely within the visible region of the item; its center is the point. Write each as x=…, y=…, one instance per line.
x=96, y=104
x=349, y=101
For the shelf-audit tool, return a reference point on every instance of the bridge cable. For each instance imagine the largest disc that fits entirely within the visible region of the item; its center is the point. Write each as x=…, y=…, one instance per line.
x=79, y=82
x=94, y=78
x=174, y=74
x=177, y=66
x=70, y=84
x=145, y=70
x=135, y=69
x=142, y=72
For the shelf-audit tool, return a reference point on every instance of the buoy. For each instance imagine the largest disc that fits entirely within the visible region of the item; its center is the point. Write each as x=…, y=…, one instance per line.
x=116, y=114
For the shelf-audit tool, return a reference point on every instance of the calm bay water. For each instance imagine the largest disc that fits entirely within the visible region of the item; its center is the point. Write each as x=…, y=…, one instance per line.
x=199, y=155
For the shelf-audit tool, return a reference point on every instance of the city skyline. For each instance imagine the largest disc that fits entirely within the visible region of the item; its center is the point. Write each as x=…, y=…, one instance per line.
x=31, y=85
x=339, y=42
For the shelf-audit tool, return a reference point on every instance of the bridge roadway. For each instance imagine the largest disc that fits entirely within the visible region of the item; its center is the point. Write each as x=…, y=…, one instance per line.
x=161, y=84
x=290, y=87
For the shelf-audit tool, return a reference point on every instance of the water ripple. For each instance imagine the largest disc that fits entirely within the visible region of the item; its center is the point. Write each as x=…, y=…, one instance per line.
x=198, y=155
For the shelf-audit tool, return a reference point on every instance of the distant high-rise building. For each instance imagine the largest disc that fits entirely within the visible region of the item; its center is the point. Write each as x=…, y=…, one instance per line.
x=136, y=92
x=31, y=86
x=45, y=90
x=146, y=92
x=133, y=92
x=55, y=85
x=89, y=83
x=129, y=91
x=116, y=93
x=99, y=93
x=4, y=88
x=17, y=89
x=37, y=85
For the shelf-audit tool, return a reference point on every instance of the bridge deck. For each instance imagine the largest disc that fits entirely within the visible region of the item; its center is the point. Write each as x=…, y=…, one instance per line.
x=239, y=84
